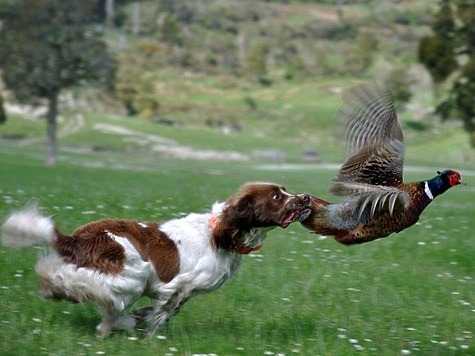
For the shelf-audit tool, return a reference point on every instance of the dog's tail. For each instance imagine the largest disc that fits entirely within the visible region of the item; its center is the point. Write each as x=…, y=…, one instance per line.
x=28, y=227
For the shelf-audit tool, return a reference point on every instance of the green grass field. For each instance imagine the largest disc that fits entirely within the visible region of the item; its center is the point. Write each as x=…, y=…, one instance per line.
x=301, y=294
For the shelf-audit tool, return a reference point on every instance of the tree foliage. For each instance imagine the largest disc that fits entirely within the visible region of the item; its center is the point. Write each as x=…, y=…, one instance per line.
x=52, y=45
x=437, y=52
x=449, y=52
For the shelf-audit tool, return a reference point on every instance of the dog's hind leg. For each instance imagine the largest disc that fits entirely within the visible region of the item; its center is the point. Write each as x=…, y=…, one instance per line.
x=130, y=321
x=109, y=318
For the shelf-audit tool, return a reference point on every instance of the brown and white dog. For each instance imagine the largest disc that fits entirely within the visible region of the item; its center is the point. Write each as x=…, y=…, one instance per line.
x=112, y=263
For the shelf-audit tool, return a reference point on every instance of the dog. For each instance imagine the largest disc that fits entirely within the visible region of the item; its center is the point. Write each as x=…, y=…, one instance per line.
x=112, y=263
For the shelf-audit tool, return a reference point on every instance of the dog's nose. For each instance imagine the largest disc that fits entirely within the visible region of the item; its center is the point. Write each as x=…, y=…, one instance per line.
x=305, y=198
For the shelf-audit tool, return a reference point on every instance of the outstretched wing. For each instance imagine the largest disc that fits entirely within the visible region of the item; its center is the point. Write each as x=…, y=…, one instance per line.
x=374, y=138
x=372, y=135
x=380, y=163
x=368, y=116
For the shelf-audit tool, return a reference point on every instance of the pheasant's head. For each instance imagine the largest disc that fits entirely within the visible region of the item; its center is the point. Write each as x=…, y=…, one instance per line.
x=451, y=177
x=443, y=181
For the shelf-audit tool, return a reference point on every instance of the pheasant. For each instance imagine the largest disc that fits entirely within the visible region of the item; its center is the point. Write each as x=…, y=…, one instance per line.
x=378, y=202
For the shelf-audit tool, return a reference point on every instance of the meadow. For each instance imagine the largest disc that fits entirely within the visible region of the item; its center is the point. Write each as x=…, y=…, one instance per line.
x=410, y=293
x=301, y=294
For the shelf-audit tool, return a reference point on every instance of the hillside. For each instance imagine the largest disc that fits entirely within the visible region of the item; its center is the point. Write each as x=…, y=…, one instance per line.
x=219, y=104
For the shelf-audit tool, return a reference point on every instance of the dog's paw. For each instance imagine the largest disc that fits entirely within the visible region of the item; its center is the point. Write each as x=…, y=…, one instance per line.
x=103, y=330
x=126, y=322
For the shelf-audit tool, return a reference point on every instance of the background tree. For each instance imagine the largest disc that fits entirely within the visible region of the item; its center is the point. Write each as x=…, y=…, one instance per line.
x=437, y=52
x=449, y=56
x=256, y=61
x=49, y=46
x=3, y=115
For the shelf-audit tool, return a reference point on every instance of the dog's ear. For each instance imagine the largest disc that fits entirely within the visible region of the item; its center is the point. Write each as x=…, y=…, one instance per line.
x=244, y=208
x=238, y=216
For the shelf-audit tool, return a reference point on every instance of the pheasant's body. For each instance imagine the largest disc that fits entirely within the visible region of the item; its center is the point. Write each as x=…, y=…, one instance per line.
x=342, y=220
x=378, y=202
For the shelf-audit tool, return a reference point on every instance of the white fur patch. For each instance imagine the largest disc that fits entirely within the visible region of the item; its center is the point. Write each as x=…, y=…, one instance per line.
x=27, y=227
x=218, y=208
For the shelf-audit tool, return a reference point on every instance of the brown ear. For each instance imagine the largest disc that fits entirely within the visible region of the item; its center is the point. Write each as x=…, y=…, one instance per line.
x=238, y=216
x=243, y=208
x=223, y=236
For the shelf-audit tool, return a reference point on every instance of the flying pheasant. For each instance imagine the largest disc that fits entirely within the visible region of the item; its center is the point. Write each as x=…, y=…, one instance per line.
x=377, y=202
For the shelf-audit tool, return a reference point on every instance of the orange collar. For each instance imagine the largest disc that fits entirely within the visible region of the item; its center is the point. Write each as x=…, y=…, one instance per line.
x=213, y=221
x=244, y=250
x=247, y=249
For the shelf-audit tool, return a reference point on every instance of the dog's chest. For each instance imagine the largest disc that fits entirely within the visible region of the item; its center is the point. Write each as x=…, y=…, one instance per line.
x=204, y=266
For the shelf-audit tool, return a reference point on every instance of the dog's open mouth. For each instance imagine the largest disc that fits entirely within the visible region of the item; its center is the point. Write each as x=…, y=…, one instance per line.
x=299, y=215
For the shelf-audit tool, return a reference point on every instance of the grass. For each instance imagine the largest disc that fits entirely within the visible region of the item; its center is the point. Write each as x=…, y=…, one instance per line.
x=301, y=294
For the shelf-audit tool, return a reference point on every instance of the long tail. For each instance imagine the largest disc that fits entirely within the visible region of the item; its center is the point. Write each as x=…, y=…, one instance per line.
x=28, y=227
x=321, y=219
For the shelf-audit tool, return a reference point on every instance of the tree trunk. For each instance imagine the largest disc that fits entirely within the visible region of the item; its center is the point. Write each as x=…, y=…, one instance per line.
x=51, y=129
x=469, y=126
x=136, y=19
x=3, y=115
x=339, y=10
x=110, y=13
x=241, y=48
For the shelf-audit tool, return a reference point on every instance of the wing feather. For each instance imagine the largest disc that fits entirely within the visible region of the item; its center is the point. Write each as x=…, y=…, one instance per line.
x=373, y=173
x=368, y=115
x=372, y=135
x=371, y=200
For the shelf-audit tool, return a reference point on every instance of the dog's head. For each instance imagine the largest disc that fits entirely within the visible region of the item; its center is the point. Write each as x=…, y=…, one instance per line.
x=257, y=206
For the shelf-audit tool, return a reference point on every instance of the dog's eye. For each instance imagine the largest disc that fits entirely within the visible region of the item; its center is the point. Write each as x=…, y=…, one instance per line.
x=276, y=196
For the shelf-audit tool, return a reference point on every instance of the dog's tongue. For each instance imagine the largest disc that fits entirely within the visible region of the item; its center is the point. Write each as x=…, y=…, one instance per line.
x=290, y=219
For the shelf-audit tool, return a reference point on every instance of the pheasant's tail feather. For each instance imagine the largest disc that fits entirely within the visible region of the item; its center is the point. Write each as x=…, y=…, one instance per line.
x=321, y=219
x=317, y=216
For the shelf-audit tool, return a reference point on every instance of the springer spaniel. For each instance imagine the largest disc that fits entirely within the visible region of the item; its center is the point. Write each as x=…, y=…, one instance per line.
x=112, y=263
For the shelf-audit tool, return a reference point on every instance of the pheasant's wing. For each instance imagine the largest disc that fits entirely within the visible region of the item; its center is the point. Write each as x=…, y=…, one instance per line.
x=373, y=136
x=368, y=116
x=370, y=201
x=380, y=163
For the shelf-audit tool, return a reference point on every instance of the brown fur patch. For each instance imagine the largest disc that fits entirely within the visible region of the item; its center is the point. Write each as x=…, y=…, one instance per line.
x=255, y=205
x=90, y=246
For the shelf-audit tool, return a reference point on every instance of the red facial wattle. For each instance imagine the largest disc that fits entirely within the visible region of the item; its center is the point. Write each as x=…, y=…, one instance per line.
x=454, y=179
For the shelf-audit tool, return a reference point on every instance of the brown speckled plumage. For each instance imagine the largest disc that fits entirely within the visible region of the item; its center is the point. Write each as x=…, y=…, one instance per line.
x=378, y=202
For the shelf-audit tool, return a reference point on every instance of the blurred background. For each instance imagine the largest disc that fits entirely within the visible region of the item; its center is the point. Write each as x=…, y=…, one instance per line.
x=154, y=109
x=230, y=80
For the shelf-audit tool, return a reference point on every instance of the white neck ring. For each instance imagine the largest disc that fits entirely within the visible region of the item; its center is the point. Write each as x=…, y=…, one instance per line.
x=427, y=191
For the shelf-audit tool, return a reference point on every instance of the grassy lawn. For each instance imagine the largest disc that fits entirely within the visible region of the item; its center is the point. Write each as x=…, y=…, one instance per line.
x=300, y=294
